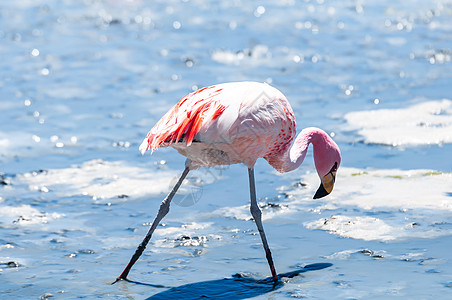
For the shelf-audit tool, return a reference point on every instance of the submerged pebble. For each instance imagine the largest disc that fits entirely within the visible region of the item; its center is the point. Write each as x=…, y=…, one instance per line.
x=12, y=264
x=46, y=296
x=86, y=251
x=187, y=241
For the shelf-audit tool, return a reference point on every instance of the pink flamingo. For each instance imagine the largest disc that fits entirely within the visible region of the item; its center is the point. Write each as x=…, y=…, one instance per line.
x=233, y=123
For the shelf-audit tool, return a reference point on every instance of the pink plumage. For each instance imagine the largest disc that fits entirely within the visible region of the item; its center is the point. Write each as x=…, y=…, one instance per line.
x=238, y=122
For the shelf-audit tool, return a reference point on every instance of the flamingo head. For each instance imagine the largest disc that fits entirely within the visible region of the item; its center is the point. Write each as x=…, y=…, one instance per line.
x=327, y=158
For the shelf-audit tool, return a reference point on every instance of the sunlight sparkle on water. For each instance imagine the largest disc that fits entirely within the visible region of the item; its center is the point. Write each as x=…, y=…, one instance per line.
x=35, y=52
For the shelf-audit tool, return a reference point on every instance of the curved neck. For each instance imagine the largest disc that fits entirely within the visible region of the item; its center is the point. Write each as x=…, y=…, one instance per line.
x=293, y=157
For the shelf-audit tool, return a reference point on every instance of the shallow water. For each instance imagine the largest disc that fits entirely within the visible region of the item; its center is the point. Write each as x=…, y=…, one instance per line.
x=81, y=83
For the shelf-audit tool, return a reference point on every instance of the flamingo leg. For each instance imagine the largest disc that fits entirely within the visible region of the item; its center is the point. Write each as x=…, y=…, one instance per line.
x=164, y=209
x=257, y=215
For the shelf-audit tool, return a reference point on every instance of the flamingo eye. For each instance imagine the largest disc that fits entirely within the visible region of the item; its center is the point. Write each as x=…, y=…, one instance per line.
x=334, y=168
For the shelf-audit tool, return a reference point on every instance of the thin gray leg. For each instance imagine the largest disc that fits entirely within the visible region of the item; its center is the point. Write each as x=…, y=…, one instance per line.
x=257, y=215
x=164, y=209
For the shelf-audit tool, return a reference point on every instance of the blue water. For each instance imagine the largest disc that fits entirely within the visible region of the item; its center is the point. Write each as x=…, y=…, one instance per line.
x=85, y=80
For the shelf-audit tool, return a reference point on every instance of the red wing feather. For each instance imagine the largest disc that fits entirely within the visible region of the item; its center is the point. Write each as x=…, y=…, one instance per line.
x=185, y=119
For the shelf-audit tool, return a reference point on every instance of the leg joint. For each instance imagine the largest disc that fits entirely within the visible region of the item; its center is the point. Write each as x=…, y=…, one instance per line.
x=164, y=209
x=255, y=210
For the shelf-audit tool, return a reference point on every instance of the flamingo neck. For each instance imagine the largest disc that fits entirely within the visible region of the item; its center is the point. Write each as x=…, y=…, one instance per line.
x=294, y=156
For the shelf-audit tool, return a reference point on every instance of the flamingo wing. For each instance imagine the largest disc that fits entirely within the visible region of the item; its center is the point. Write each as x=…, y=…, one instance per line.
x=244, y=120
x=184, y=120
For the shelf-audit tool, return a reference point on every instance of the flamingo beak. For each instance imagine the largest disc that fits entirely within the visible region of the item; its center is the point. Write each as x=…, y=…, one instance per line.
x=326, y=186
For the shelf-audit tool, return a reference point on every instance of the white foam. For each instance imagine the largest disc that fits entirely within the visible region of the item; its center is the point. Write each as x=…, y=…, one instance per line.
x=421, y=124
x=371, y=229
x=186, y=229
x=100, y=179
x=25, y=215
x=402, y=204
x=243, y=212
x=347, y=254
x=196, y=233
x=392, y=188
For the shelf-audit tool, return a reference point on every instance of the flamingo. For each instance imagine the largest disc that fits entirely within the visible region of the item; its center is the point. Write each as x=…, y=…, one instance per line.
x=238, y=122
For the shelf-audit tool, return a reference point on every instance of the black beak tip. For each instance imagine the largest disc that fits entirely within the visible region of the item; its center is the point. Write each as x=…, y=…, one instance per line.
x=321, y=192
